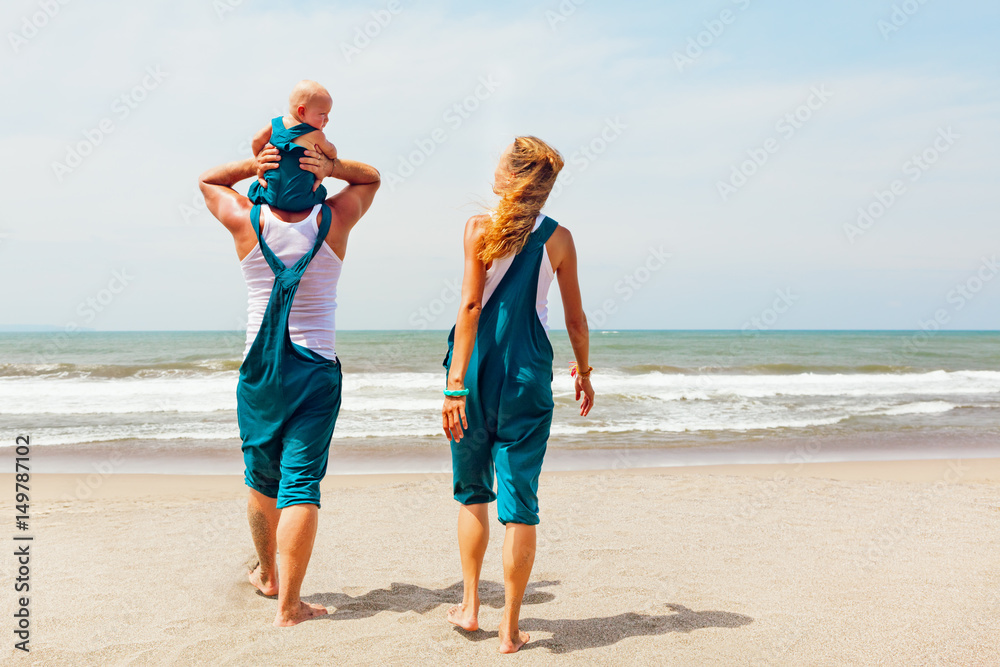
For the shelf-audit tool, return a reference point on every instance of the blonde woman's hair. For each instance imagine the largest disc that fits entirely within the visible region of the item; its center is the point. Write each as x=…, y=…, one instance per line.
x=533, y=166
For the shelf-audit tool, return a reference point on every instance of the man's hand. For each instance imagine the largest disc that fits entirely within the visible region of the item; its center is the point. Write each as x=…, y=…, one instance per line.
x=318, y=163
x=266, y=160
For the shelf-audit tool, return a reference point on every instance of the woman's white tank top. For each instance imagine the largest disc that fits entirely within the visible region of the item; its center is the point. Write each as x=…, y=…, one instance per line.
x=311, y=322
x=498, y=269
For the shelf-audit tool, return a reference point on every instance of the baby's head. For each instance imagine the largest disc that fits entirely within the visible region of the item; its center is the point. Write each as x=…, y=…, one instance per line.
x=310, y=103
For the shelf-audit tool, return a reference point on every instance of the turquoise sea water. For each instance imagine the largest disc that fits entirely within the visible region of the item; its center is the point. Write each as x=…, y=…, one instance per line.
x=165, y=401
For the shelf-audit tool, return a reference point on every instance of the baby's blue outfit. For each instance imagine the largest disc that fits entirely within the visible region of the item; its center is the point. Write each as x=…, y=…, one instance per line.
x=289, y=187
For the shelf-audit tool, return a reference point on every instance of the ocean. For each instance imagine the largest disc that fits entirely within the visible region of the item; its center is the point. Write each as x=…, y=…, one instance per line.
x=164, y=402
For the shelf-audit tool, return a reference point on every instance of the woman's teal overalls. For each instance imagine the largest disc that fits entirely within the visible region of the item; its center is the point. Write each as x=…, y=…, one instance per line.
x=289, y=187
x=288, y=396
x=509, y=406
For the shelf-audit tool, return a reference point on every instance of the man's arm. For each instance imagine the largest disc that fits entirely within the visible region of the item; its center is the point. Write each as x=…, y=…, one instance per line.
x=230, y=207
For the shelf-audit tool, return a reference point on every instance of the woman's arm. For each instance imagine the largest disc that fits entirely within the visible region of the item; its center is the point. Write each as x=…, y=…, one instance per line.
x=576, y=318
x=453, y=413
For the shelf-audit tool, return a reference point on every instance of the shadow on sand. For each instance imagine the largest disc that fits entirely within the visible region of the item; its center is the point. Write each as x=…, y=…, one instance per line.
x=407, y=597
x=567, y=635
x=576, y=634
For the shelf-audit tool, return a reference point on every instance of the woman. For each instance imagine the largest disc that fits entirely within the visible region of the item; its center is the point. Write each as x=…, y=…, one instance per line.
x=498, y=404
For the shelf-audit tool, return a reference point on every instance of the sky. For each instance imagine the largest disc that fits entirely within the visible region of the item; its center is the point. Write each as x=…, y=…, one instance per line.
x=731, y=164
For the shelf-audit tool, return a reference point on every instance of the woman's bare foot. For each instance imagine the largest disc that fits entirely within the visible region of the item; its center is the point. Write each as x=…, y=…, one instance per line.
x=269, y=588
x=303, y=613
x=509, y=644
x=464, y=616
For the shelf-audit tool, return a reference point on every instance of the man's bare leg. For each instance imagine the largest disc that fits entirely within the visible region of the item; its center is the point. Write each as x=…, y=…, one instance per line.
x=473, y=538
x=263, y=517
x=518, y=557
x=296, y=535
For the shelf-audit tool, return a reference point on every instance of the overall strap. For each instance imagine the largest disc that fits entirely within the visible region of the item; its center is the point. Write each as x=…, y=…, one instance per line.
x=293, y=273
x=539, y=237
x=324, y=227
x=297, y=131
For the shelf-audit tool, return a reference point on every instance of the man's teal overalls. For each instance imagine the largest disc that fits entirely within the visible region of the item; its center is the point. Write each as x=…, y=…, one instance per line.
x=288, y=396
x=509, y=406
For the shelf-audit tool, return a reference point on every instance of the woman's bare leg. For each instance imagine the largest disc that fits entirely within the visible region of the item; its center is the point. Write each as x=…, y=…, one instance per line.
x=518, y=557
x=473, y=538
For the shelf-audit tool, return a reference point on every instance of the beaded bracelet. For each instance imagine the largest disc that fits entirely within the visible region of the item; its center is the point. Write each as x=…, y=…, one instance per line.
x=574, y=370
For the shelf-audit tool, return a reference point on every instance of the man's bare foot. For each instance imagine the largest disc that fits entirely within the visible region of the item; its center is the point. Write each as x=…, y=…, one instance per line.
x=304, y=613
x=464, y=617
x=269, y=589
x=508, y=644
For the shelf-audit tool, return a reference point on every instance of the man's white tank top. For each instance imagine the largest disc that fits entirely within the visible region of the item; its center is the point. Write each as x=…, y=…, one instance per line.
x=498, y=269
x=311, y=322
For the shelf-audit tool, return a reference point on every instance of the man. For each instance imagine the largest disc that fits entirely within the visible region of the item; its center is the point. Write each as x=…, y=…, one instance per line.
x=288, y=396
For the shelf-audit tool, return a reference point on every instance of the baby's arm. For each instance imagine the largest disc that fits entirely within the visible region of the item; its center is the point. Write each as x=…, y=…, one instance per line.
x=260, y=140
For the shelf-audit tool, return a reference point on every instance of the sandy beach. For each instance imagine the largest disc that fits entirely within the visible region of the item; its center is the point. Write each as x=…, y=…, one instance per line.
x=875, y=563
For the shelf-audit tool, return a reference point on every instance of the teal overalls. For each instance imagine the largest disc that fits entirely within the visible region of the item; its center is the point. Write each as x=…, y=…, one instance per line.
x=509, y=406
x=288, y=396
x=289, y=187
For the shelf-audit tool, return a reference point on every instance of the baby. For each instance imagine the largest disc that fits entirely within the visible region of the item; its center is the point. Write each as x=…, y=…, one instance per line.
x=289, y=187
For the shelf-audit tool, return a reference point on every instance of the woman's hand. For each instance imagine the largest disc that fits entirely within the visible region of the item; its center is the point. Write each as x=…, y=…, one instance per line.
x=453, y=417
x=267, y=159
x=584, y=387
x=318, y=164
